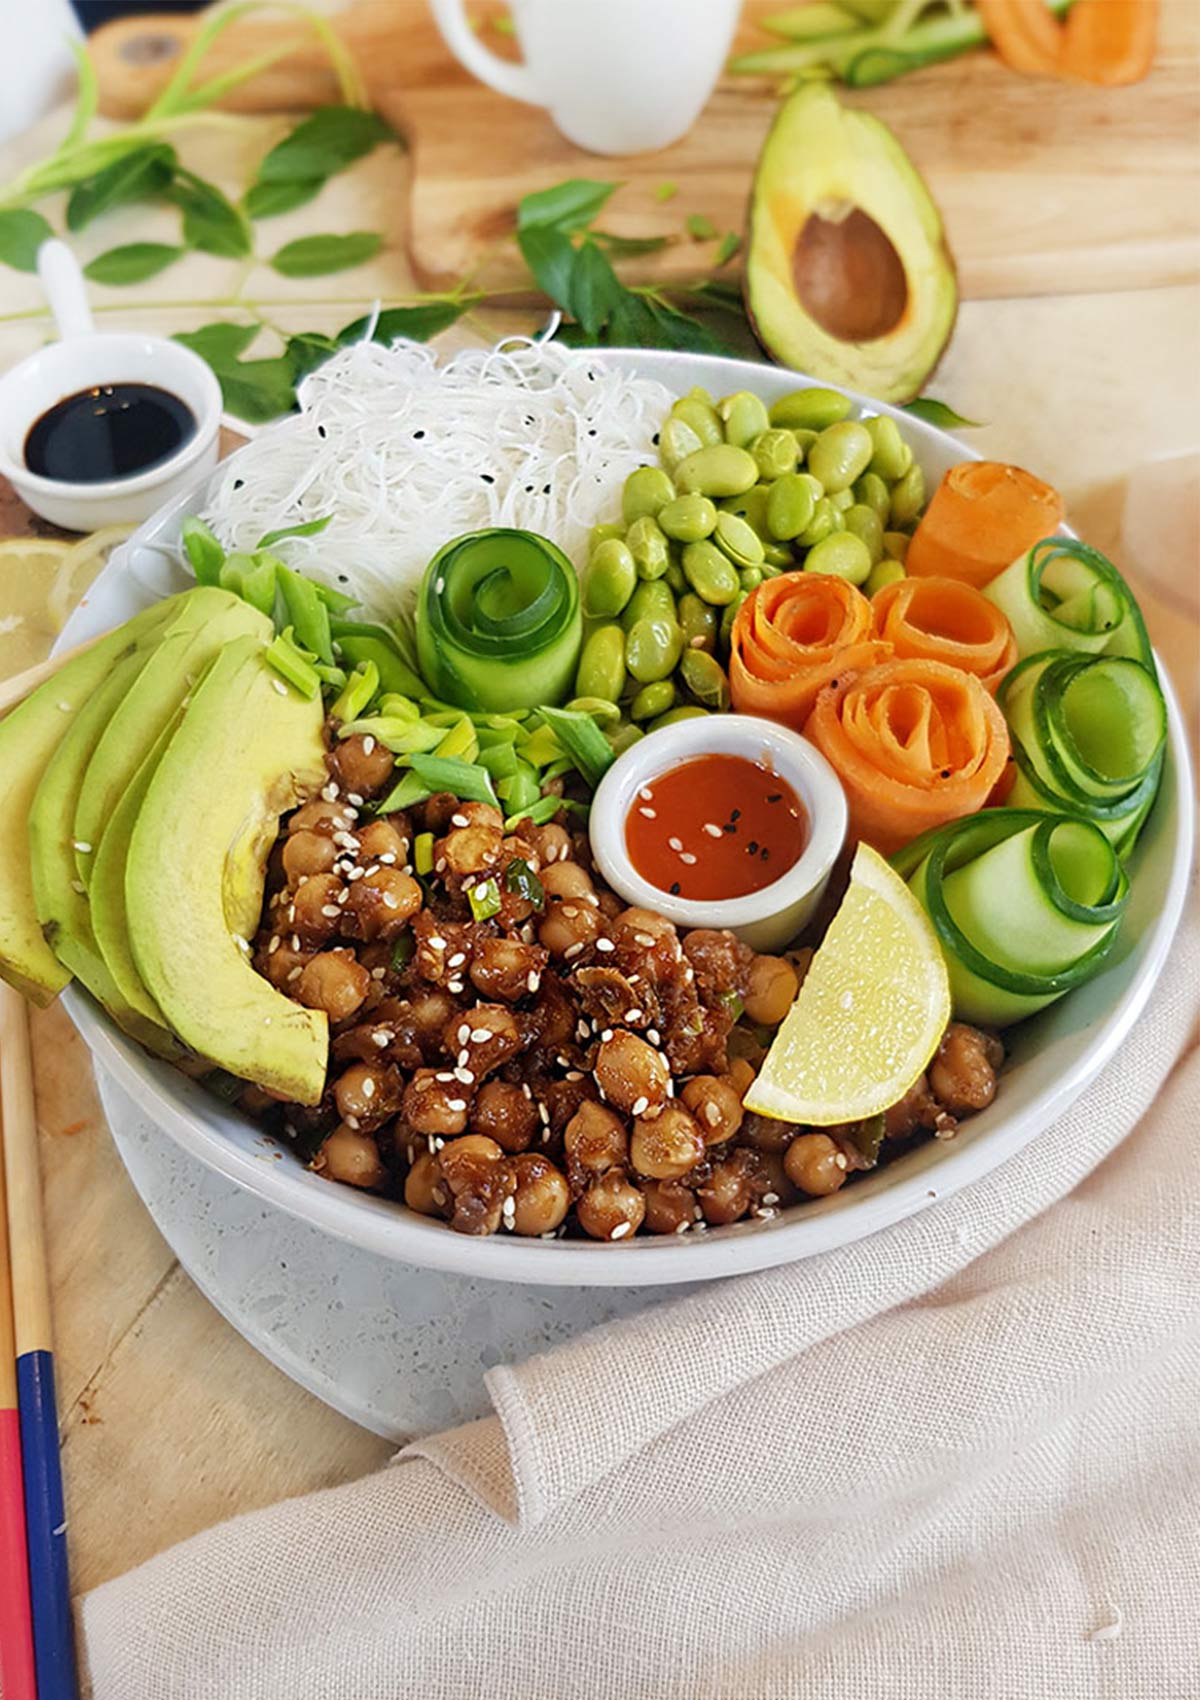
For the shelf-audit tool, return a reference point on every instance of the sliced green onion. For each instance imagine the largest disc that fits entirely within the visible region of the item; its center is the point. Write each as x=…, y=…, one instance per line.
x=309, y=528
x=498, y=621
x=733, y=1004
x=1088, y=736
x=411, y=790
x=501, y=760
x=423, y=852
x=359, y=640
x=403, y=949
x=294, y=664
x=252, y=577
x=520, y=877
x=332, y=678
x=462, y=779
x=1062, y=594
x=460, y=741
x=597, y=708
x=306, y=612
x=336, y=601
x=583, y=741
x=402, y=737
x=203, y=550
x=484, y=899
x=521, y=789
x=357, y=693
x=540, y=747
x=539, y=813
x=1025, y=905
x=398, y=707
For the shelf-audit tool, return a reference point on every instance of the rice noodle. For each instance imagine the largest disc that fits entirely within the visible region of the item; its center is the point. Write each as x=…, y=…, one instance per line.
x=407, y=452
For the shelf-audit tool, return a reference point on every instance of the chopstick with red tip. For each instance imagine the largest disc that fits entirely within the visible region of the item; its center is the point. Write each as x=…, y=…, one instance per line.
x=16, y=1626
x=41, y=1466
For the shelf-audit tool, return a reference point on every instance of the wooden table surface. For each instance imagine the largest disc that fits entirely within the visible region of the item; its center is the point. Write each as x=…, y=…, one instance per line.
x=170, y=1421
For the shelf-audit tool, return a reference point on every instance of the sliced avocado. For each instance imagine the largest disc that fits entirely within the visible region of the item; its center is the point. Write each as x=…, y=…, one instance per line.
x=247, y=748
x=205, y=620
x=848, y=276
x=29, y=737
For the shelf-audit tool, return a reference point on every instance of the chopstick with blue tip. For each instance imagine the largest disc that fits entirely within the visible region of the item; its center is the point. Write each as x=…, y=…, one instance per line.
x=45, y=1516
x=16, y=1629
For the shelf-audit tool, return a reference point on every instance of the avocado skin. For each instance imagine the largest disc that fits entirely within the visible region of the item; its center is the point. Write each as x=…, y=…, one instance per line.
x=247, y=748
x=819, y=154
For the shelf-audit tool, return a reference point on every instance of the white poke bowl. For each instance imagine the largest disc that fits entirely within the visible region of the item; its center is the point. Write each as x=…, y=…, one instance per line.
x=1054, y=1056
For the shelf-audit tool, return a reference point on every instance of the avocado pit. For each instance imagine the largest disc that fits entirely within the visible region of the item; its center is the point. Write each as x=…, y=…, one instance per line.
x=848, y=275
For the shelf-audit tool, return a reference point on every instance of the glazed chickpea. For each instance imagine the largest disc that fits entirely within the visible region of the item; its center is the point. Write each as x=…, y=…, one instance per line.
x=562, y=1098
x=436, y=1103
x=443, y=949
x=566, y=929
x=731, y=1188
x=502, y=1112
x=612, y=1208
x=764, y=1133
x=962, y=1076
x=279, y=963
x=361, y=764
x=506, y=968
x=670, y=1206
x=814, y=1164
x=383, y=903
x=468, y=850
x=771, y=991
x=308, y=853
x=567, y=880
x=320, y=816
x=917, y=1109
x=595, y=1140
x=367, y=1094
x=656, y=927
x=314, y=913
x=667, y=1145
x=609, y=905
x=382, y=841
x=716, y=1105
x=778, y=1189
x=741, y=1075
x=552, y=843
x=334, y=982
x=352, y=1157
x=542, y=1197
x=424, y=1189
x=631, y=1074
x=478, y=814
x=482, y=1039
x=480, y=1178
x=428, y=1012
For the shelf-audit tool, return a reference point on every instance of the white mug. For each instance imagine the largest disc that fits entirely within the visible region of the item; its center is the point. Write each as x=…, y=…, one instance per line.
x=617, y=76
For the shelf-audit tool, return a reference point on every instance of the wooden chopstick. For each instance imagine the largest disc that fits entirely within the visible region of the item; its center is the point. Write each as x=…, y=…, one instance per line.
x=16, y=689
x=45, y=1516
x=16, y=1624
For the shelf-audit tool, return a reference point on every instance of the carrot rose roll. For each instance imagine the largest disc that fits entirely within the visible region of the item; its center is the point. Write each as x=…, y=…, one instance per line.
x=942, y=619
x=982, y=516
x=914, y=743
x=791, y=637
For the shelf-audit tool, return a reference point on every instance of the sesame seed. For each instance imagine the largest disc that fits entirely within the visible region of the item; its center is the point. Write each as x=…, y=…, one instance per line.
x=570, y=911
x=357, y=874
x=388, y=858
x=330, y=910
x=682, y=1227
x=294, y=974
x=544, y=1113
x=640, y=1106
x=390, y=900
x=632, y=1015
x=840, y=1161
x=444, y=1076
x=646, y=792
x=533, y=980
x=379, y=1037
x=273, y=946
x=78, y=887
x=770, y=1198
x=479, y=1035
x=295, y=941
x=621, y=1229
x=353, y=797
x=712, y=1114
x=459, y=820
x=368, y=1088
x=456, y=1104
x=330, y=792
x=573, y=1074
x=465, y=1076
x=378, y=973
x=654, y=1036
x=464, y=1057
x=352, y=1121
x=712, y=831
x=650, y=814
x=368, y=745
x=675, y=843
x=646, y=940
x=438, y=1143
x=457, y=960
x=436, y=942
x=464, y=1032
x=527, y=1089
x=83, y=847
x=572, y=950
x=686, y=857
x=508, y=1209
x=65, y=707
x=605, y=945
x=279, y=686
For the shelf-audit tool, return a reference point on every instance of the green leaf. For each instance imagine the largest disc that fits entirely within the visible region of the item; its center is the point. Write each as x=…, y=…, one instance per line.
x=268, y=200
x=938, y=413
x=727, y=248
x=138, y=176
x=87, y=99
x=665, y=191
x=550, y=256
x=700, y=228
x=418, y=323
x=307, y=350
x=621, y=247
x=220, y=343
x=565, y=207
x=595, y=291
x=22, y=233
x=258, y=390
x=211, y=223
x=315, y=256
x=309, y=528
x=332, y=138
x=133, y=262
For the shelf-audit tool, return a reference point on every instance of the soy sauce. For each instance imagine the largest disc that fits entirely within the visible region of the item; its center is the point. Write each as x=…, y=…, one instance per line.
x=108, y=431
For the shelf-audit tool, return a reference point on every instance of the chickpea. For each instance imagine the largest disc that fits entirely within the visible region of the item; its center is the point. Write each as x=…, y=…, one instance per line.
x=656, y=927
x=468, y=850
x=436, y=1103
x=308, y=853
x=732, y=1187
x=478, y=814
x=503, y=1112
x=334, y=982
x=962, y=1076
x=361, y=764
x=741, y=1076
x=610, y=905
x=443, y=948
x=351, y=1157
x=520, y=849
x=612, y=1208
x=632, y=1075
x=368, y=1093
x=482, y=1039
x=716, y=1105
x=320, y=816
x=562, y=1098
x=669, y=1206
x=506, y=968
x=719, y=960
x=667, y=1145
x=552, y=843
x=917, y=1109
x=383, y=903
x=480, y=1178
x=434, y=813
x=778, y=1189
x=424, y=1189
x=383, y=838
x=567, y=929
x=764, y=1133
x=771, y=991
x=568, y=880
x=428, y=1013
x=314, y=913
x=814, y=1164
x=595, y=1140
x=542, y=1197
x=278, y=964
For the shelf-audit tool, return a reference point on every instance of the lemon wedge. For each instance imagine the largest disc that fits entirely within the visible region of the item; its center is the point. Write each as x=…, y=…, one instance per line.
x=873, y=1007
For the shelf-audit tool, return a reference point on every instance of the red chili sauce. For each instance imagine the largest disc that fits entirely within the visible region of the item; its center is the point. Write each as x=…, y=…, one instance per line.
x=714, y=828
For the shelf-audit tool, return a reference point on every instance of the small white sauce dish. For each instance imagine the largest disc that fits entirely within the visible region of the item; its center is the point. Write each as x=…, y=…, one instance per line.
x=86, y=357
x=769, y=919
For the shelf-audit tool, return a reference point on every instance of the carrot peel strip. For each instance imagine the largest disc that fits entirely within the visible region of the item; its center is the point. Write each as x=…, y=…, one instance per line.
x=791, y=637
x=982, y=516
x=943, y=619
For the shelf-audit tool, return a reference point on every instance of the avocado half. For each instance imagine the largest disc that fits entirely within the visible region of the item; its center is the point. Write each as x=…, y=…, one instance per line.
x=848, y=277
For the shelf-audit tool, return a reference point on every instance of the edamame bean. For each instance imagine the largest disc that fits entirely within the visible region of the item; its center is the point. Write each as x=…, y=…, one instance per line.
x=864, y=522
x=653, y=700
x=908, y=498
x=652, y=649
x=769, y=570
x=676, y=441
x=624, y=738
x=895, y=545
x=711, y=574
x=609, y=580
x=699, y=393
x=688, y=712
x=724, y=470
x=601, y=670
x=790, y=505
x=652, y=600
x=688, y=518
x=804, y=440
x=842, y=499
x=840, y=455
x=825, y=520
x=873, y=493
x=744, y=415
x=813, y=409
x=739, y=540
x=648, y=546
x=883, y=572
x=778, y=558
x=891, y=456
x=843, y=555
x=702, y=417
x=776, y=453
x=602, y=711
x=750, y=578
x=699, y=622
x=751, y=506
x=601, y=534
x=674, y=577
x=705, y=678
x=727, y=619
x=646, y=490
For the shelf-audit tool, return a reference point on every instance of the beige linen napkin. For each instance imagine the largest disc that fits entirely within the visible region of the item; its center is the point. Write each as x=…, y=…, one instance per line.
x=788, y=1484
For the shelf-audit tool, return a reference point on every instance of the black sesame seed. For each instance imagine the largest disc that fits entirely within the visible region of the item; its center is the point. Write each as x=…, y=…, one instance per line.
x=729, y=827
x=752, y=847
x=764, y=854
x=417, y=435
x=775, y=797
x=675, y=889
x=735, y=814
x=486, y=478
x=945, y=773
x=238, y=483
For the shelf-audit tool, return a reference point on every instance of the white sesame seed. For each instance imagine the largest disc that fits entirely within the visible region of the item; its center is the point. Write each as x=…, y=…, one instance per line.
x=675, y=843
x=606, y=1035
x=682, y=1227
x=438, y=1143
x=646, y=940
x=572, y=950
x=373, y=869
x=273, y=946
x=654, y=1036
x=574, y=1074
x=330, y=910
x=479, y=1035
x=378, y=973
x=464, y=1076
x=83, y=847
x=770, y=1198
x=352, y=1121
x=242, y=944
x=388, y=857
x=527, y=1089
x=840, y=1161
x=459, y=820
x=544, y=1113
x=357, y=874
x=390, y=900
x=78, y=887
x=632, y=1015
x=295, y=941
x=464, y=1032
x=650, y=814
x=457, y=960
x=454, y=986
x=380, y=1038
x=294, y=974
x=456, y=1104
x=368, y=1088
x=280, y=686
x=712, y=831
x=686, y=857
x=330, y=792
x=533, y=980
x=640, y=1106
x=621, y=1229
x=436, y=942
x=712, y=1114
x=353, y=797
x=605, y=945
x=645, y=791
x=444, y=1076
x=65, y=707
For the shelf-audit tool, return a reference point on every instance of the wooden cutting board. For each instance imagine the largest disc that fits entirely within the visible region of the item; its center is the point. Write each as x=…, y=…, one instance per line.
x=1045, y=187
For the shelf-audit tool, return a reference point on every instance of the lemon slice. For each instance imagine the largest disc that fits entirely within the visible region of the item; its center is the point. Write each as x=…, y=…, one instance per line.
x=41, y=580
x=873, y=1006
